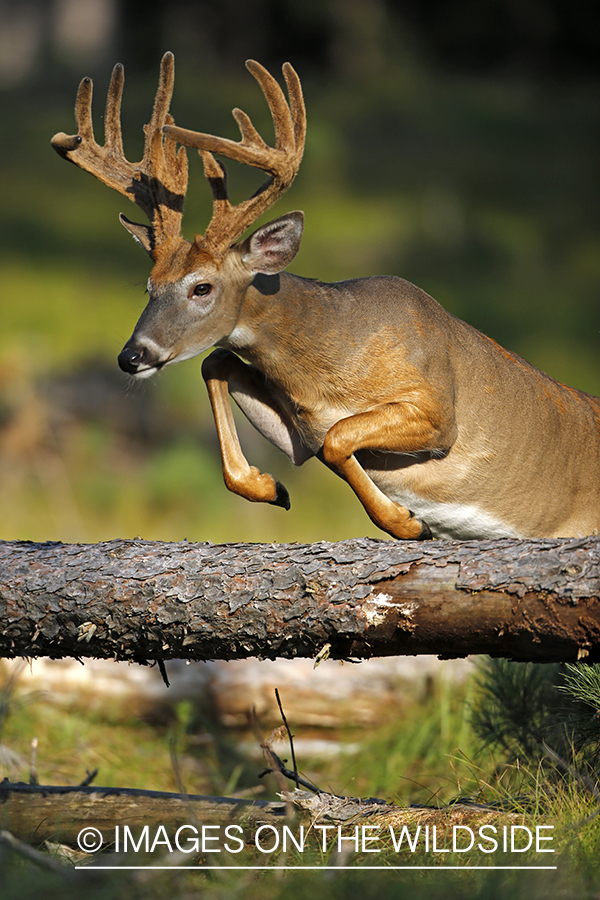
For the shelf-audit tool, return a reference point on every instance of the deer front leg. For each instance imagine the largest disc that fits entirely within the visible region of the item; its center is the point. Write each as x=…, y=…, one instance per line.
x=224, y=374
x=397, y=428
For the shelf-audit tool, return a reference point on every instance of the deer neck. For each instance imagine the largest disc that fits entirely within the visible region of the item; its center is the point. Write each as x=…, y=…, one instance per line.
x=271, y=330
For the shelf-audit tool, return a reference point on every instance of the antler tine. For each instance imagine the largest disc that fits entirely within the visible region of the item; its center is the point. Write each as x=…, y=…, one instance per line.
x=280, y=111
x=160, y=112
x=106, y=163
x=166, y=168
x=280, y=162
x=113, y=137
x=296, y=103
x=83, y=109
x=158, y=183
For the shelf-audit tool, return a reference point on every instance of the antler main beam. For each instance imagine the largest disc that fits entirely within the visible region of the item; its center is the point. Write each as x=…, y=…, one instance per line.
x=281, y=162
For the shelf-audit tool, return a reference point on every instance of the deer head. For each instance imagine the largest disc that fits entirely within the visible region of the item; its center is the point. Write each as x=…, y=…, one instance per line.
x=196, y=287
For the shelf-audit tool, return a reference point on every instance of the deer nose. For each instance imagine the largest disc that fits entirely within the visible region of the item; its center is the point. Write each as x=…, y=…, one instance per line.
x=130, y=359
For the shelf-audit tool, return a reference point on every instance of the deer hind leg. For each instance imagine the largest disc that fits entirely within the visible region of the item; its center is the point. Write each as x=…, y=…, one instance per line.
x=225, y=374
x=397, y=428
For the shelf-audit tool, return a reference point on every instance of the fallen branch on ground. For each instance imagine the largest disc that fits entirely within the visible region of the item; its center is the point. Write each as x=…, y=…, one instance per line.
x=39, y=813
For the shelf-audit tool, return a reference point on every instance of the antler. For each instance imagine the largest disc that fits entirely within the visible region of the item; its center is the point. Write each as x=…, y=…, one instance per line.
x=281, y=162
x=158, y=183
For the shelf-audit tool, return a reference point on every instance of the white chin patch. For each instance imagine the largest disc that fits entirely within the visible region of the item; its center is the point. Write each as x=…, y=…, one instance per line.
x=146, y=373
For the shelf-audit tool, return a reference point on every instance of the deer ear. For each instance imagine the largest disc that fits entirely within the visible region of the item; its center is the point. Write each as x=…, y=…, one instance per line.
x=143, y=234
x=273, y=246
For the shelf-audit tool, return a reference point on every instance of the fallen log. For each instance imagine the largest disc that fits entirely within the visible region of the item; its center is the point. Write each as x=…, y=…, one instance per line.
x=37, y=813
x=97, y=816
x=145, y=601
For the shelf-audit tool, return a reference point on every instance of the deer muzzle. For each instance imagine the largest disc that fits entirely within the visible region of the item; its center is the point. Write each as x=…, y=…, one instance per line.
x=137, y=359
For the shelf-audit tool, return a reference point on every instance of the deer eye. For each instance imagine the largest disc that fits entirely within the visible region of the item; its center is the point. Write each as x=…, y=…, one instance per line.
x=202, y=289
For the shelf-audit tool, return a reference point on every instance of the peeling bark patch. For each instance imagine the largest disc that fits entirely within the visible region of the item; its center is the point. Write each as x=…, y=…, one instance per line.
x=383, y=600
x=407, y=609
x=377, y=608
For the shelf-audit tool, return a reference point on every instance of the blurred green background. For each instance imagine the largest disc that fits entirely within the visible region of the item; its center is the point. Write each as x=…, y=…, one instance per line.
x=452, y=143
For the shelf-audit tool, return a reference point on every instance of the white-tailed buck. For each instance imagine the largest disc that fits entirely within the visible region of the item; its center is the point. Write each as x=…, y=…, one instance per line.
x=436, y=428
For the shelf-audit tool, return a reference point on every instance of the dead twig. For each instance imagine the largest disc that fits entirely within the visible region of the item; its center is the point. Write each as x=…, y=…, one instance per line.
x=290, y=736
x=163, y=671
x=89, y=778
x=277, y=766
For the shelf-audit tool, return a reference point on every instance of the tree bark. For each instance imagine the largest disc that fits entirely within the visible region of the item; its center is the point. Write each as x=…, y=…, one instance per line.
x=145, y=601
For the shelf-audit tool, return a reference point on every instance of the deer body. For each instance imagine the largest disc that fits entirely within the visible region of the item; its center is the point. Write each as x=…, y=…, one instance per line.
x=503, y=447
x=437, y=429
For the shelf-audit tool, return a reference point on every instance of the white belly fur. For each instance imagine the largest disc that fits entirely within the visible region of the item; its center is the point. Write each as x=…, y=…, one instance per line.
x=454, y=521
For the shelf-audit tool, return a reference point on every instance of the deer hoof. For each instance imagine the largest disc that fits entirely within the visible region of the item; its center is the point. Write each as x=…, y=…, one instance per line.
x=426, y=534
x=282, y=498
